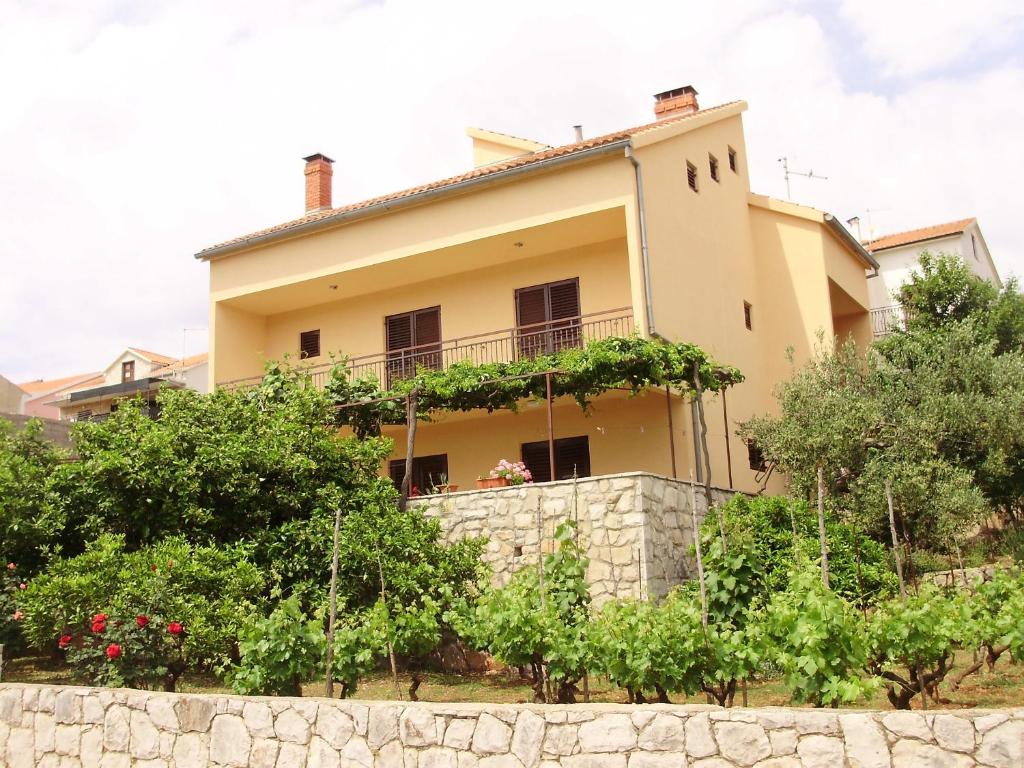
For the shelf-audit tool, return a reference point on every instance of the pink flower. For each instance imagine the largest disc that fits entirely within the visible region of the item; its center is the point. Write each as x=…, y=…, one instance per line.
x=17, y=615
x=10, y=566
x=22, y=586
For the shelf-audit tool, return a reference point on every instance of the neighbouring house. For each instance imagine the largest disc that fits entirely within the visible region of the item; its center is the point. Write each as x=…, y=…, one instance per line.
x=12, y=397
x=897, y=255
x=43, y=392
x=650, y=230
x=134, y=373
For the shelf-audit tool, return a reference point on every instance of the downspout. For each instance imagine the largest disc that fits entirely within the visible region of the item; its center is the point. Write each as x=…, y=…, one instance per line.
x=645, y=259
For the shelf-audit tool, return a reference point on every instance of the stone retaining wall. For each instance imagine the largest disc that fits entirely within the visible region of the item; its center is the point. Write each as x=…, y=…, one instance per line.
x=636, y=527
x=82, y=728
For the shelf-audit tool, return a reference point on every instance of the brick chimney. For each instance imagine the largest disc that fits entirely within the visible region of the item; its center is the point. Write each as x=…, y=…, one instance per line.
x=678, y=101
x=318, y=183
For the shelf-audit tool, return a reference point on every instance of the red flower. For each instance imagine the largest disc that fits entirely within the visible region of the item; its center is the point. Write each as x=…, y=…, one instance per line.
x=141, y=620
x=64, y=642
x=152, y=567
x=175, y=628
x=113, y=651
x=99, y=627
x=100, y=617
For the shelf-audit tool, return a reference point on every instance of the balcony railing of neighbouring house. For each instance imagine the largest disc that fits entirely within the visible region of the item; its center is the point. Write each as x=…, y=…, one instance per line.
x=502, y=346
x=885, y=320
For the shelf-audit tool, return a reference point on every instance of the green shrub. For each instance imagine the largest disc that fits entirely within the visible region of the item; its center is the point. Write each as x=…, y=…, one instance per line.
x=816, y=638
x=911, y=642
x=761, y=528
x=134, y=651
x=208, y=589
x=278, y=653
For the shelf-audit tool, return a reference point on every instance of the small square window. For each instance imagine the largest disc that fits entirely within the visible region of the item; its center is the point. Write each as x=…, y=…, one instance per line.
x=755, y=457
x=128, y=371
x=733, y=163
x=691, y=175
x=309, y=344
x=713, y=167
x=748, y=315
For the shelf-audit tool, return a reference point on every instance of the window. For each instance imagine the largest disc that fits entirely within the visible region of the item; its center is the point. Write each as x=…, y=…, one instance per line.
x=413, y=338
x=733, y=163
x=691, y=175
x=84, y=415
x=572, y=454
x=755, y=457
x=548, y=317
x=748, y=315
x=713, y=167
x=128, y=371
x=309, y=344
x=427, y=472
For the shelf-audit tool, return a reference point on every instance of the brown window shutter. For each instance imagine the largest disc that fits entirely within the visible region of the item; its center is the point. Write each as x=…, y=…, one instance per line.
x=565, y=300
x=396, y=470
x=535, y=457
x=571, y=454
x=399, y=332
x=427, y=335
x=531, y=306
x=309, y=344
x=427, y=471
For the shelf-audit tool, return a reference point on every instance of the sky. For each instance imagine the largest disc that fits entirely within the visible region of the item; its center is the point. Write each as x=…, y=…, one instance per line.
x=133, y=135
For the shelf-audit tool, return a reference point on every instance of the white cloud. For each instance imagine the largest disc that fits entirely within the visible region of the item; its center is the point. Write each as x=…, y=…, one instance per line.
x=129, y=140
x=912, y=37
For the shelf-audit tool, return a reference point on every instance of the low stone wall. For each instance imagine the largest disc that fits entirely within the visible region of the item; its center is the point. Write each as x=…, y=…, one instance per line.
x=72, y=727
x=636, y=528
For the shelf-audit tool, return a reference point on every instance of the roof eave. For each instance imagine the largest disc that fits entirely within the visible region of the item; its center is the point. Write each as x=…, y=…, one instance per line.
x=417, y=198
x=852, y=242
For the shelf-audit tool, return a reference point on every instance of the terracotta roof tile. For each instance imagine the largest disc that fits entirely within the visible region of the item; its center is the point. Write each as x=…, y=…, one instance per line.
x=918, y=235
x=156, y=357
x=42, y=386
x=177, y=365
x=486, y=170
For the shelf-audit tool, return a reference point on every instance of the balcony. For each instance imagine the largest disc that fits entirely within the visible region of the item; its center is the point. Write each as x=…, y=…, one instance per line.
x=885, y=320
x=504, y=346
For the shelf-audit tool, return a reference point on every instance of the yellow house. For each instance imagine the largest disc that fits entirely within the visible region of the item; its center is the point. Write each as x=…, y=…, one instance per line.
x=650, y=230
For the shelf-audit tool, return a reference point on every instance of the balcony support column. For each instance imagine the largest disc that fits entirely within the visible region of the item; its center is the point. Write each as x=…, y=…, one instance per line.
x=551, y=426
x=671, y=430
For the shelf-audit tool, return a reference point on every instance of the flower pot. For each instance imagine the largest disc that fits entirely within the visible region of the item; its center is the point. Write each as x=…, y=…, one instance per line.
x=492, y=482
x=447, y=488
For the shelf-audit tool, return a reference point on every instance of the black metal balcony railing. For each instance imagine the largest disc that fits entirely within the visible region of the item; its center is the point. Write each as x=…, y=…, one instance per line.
x=502, y=346
x=885, y=320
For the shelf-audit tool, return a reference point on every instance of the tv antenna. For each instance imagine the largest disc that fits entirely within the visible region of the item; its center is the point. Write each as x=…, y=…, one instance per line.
x=787, y=172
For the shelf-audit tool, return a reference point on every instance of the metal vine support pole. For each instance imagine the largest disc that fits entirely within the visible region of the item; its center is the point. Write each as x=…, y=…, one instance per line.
x=333, y=616
x=551, y=427
x=410, y=448
x=895, y=541
x=728, y=452
x=699, y=390
x=540, y=572
x=822, y=541
x=700, y=558
x=671, y=430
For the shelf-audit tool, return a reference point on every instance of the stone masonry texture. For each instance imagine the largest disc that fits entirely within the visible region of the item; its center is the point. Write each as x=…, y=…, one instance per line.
x=636, y=528
x=67, y=727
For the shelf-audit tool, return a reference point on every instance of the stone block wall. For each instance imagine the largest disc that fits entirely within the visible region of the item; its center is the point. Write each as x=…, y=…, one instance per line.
x=636, y=528
x=88, y=728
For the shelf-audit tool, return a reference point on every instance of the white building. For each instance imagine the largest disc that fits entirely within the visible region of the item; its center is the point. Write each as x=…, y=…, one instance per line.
x=898, y=254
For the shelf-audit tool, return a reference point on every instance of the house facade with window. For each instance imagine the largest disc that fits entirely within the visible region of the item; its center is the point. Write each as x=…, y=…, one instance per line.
x=134, y=373
x=898, y=253
x=651, y=230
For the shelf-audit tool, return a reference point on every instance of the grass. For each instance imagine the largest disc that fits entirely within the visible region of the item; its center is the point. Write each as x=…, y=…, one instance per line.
x=1003, y=687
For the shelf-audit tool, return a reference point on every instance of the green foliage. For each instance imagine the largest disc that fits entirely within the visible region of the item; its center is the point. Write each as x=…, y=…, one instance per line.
x=527, y=624
x=643, y=646
x=131, y=650
x=816, y=639
x=996, y=610
x=278, y=653
x=762, y=554
x=209, y=589
x=583, y=373
x=911, y=642
x=29, y=525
